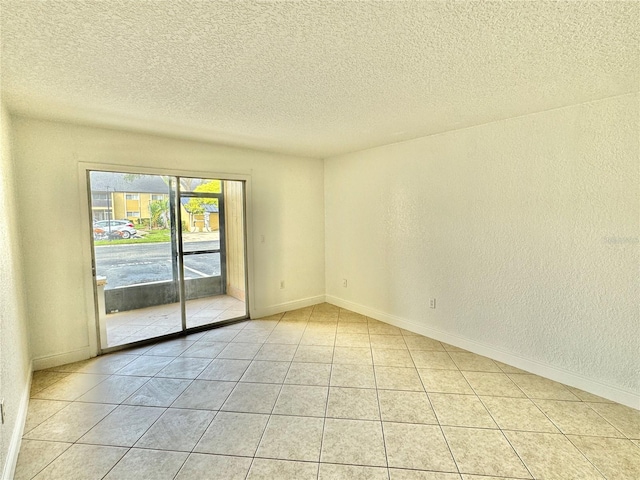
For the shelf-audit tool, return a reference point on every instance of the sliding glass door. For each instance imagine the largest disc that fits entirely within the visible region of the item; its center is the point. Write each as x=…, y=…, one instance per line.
x=159, y=252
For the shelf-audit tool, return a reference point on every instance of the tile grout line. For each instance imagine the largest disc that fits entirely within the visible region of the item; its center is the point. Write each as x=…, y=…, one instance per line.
x=274, y=404
x=326, y=403
x=375, y=380
x=524, y=464
x=446, y=441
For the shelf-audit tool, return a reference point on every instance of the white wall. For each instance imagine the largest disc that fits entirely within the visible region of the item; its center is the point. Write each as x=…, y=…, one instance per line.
x=286, y=207
x=525, y=230
x=15, y=362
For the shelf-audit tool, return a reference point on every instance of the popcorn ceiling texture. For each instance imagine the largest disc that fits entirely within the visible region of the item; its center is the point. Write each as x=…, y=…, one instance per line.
x=312, y=78
x=525, y=230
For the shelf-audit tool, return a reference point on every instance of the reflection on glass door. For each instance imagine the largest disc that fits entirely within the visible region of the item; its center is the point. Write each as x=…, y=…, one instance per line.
x=168, y=254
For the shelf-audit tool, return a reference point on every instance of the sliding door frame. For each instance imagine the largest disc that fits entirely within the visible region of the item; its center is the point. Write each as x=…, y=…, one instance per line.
x=88, y=261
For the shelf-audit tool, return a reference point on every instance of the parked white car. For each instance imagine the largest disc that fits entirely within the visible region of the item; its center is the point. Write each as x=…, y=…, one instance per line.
x=114, y=228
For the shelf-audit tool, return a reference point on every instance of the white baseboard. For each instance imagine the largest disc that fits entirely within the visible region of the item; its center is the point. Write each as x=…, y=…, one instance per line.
x=554, y=373
x=18, y=429
x=62, y=358
x=287, y=306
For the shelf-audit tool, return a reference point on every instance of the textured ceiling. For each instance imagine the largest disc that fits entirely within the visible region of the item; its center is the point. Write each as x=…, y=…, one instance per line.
x=308, y=77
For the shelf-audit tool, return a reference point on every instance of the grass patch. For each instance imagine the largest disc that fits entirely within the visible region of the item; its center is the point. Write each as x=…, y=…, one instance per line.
x=154, y=236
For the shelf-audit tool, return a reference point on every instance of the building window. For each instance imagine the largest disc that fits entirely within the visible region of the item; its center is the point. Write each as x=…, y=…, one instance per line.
x=132, y=196
x=156, y=197
x=133, y=214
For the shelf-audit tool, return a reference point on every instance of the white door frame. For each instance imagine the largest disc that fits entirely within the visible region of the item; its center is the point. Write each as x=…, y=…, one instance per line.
x=89, y=287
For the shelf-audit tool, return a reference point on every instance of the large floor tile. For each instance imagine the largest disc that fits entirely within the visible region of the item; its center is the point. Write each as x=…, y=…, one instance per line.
x=184, y=367
x=484, y=452
x=354, y=442
x=145, y=366
x=614, y=457
x=114, y=389
x=625, y=419
x=240, y=351
x=265, y=469
x=41, y=410
x=444, y=381
x=155, y=464
x=276, y=353
x=45, y=378
x=401, y=474
x=70, y=423
x=330, y=471
x=158, y=392
x=225, y=369
x=308, y=374
x=405, y=407
x=123, y=427
x=200, y=467
x=391, y=357
x=398, y=378
x=354, y=403
x=233, y=434
x=352, y=355
x=251, y=336
x=252, y=398
x=36, y=455
x=292, y=438
x=471, y=362
x=304, y=400
x=357, y=376
x=420, y=447
x=388, y=341
x=71, y=387
x=493, y=384
x=538, y=387
x=204, y=395
x=518, y=414
x=176, y=429
x=577, y=418
x=170, y=348
x=204, y=350
x=352, y=340
x=418, y=342
x=314, y=354
x=461, y=410
x=82, y=462
x=352, y=327
x=433, y=360
x=260, y=371
x=550, y=455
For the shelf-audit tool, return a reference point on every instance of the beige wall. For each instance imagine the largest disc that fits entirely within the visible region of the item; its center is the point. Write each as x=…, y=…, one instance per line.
x=524, y=230
x=234, y=233
x=286, y=208
x=15, y=366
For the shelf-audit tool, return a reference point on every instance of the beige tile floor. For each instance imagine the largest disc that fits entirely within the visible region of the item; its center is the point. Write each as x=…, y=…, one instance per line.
x=317, y=393
x=144, y=323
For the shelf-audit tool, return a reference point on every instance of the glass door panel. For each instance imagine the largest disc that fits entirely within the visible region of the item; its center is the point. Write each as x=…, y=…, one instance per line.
x=203, y=250
x=160, y=254
x=135, y=257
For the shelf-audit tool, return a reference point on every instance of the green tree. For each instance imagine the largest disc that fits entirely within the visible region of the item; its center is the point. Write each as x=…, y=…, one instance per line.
x=159, y=210
x=195, y=206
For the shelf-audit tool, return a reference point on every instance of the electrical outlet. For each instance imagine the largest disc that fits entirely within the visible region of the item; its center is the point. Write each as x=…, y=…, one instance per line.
x=432, y=303
x=282, y=284
x=2, y=410
x=344, y=282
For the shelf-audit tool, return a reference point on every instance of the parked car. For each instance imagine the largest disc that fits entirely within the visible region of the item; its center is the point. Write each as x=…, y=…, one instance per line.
x=114, y=228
